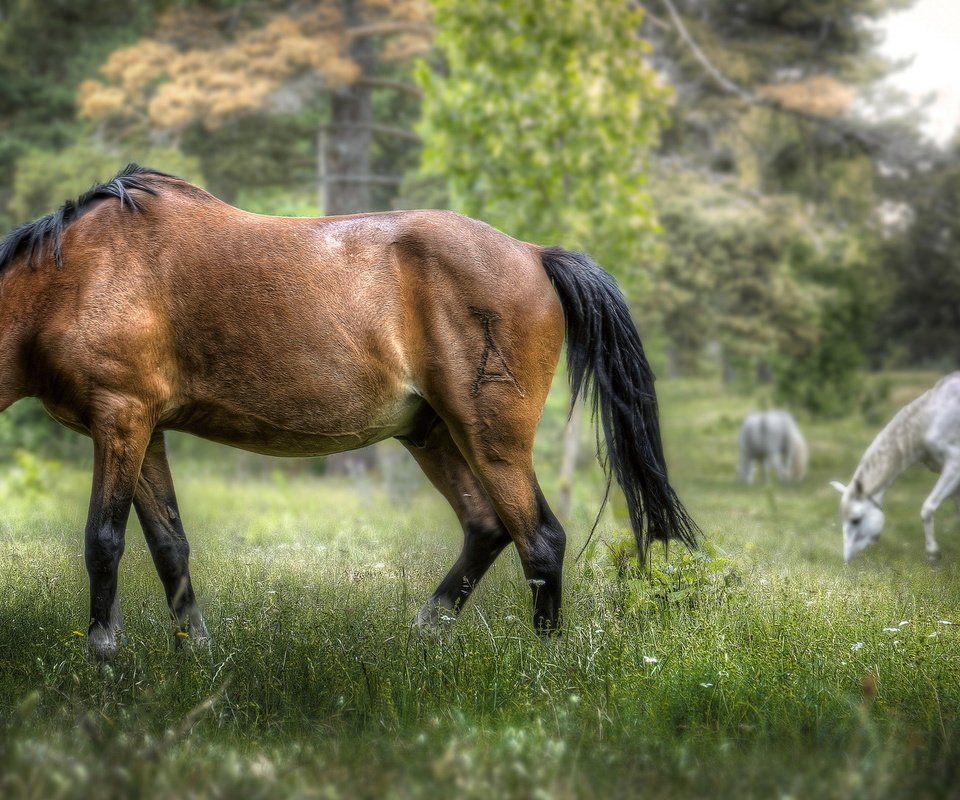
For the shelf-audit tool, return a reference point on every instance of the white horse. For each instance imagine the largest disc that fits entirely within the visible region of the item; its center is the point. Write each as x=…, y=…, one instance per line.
x=927, y=430
x=773, y=439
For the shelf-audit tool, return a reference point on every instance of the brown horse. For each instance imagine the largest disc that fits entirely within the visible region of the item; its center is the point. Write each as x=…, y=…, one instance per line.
x=149, y=305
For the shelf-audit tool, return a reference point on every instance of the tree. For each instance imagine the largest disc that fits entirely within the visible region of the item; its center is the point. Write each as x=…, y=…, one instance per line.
x=46, y=48
x=766, y=124
x=766, y=89
x=922, y=261
x=730, y=274
x=542, y=123
x=205, y=67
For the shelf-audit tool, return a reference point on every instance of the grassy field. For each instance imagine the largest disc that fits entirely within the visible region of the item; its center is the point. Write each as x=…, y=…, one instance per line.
x=760, y=667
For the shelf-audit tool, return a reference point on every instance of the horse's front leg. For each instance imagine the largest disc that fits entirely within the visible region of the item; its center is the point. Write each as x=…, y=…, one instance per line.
x=119, y=443
x=156, y=504
x=946, y=485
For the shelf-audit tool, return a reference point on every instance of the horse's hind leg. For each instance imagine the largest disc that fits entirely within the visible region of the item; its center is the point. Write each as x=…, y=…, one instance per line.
x=500, y=453
x=119, y=443
x=156, y=503
x=484, y=535
x=779, y=462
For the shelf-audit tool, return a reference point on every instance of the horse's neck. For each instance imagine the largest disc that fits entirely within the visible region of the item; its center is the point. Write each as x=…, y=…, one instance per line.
x=895, y=448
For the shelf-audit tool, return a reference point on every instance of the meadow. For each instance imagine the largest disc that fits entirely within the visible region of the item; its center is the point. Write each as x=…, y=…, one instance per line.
x=759, y=666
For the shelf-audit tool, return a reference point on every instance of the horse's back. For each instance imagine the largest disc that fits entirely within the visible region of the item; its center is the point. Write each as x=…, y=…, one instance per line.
x=764, y=432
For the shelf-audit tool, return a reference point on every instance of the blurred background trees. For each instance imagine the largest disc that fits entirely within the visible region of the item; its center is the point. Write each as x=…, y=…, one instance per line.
x=769, y=185
x=543, y=124
x=773, y=213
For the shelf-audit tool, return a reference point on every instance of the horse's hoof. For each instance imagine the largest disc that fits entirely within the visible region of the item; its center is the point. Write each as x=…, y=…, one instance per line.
x=433, y=617
x=192, y=642
x=547, y=631
x=101, y=644
x=933, y=556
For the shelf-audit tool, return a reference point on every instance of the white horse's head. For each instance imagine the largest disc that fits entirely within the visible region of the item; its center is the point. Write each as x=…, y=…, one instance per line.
x=861, y=516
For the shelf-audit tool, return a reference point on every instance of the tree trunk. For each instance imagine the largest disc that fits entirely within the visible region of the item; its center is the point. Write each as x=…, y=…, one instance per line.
x=346, y=162
x=568, y=465
x=673, y=361
x=345, y=170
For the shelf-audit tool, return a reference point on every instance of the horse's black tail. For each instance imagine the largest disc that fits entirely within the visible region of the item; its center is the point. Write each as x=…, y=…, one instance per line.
x=607, y=365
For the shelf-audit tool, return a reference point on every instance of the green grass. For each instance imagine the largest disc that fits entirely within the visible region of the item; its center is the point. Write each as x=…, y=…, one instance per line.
x=761, y=667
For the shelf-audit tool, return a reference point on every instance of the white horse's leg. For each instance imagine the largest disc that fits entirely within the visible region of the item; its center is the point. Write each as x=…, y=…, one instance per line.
x=946, y=485
x=779, y=464
x=745, y=462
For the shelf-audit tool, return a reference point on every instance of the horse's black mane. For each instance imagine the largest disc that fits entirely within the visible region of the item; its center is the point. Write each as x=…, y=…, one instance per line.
x=31, y=237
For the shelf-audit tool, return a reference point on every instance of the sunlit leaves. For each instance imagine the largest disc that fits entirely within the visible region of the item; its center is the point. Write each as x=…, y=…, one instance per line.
x=540, y=119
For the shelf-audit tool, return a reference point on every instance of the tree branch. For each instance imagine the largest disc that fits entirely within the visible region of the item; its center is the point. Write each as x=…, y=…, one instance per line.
x=378, y=28
x=867, y=141
x=374, y=127
x=722, y=80
x=397, y=86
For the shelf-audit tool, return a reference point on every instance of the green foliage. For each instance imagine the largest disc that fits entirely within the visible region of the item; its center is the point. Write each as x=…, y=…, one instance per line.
x=541, y=122
x=44, y=178
x=30, y=475
x=258, y=154
x=777, y=289
x=25, y=426
x=729, y=274
x=921, y=265
x=825, y=381
x=46, y=48
x=789, y=53
x=823, y=375
x=807, y=35
x=804, y=179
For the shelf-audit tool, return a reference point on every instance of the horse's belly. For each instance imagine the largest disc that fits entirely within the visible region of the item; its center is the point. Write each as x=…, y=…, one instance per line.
x=306, y=434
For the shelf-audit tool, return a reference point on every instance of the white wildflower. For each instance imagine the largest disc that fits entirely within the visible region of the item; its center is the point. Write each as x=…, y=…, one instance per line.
x=856, y=646
x=651, y=660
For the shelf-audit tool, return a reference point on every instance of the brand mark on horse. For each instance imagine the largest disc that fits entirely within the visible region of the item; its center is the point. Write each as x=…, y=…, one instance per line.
x=490, y=348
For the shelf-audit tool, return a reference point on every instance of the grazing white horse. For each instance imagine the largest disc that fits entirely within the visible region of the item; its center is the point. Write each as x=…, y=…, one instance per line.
x=927, y=430
x=773, y=439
